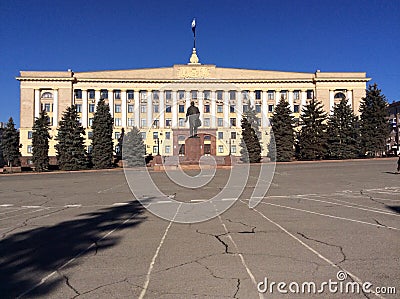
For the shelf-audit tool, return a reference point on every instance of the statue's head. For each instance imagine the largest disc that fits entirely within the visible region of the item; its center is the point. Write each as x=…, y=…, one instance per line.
x=191, y=103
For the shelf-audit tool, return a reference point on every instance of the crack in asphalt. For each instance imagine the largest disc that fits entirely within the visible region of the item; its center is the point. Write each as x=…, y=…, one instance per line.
x=371, y=198
x=244, y=224
x=68, y=284
x=218, y=237
x=25, y=222
x=237, y=288
x=381, y=224
x=325, y=243
x=99, y=287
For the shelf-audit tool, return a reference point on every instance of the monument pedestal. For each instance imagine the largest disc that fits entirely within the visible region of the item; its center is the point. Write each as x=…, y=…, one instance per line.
x=192, y=150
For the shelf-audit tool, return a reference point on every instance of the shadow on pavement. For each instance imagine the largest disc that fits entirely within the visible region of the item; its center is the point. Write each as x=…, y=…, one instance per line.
x=27, y=257
x=394, y=208
x=391, y=172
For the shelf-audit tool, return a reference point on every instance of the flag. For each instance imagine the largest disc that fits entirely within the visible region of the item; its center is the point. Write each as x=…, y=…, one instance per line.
x=194, y=26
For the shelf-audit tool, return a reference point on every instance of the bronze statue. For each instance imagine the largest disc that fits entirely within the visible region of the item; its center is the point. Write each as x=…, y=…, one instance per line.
x=193, y=114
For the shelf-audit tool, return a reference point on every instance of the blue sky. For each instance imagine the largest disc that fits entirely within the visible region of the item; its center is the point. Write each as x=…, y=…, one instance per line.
x=303, y=36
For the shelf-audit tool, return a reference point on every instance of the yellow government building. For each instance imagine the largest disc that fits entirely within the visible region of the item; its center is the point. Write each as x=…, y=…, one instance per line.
x=155, y=100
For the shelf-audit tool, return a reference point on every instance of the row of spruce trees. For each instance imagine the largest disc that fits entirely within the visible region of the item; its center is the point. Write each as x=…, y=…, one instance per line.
x=341, y=135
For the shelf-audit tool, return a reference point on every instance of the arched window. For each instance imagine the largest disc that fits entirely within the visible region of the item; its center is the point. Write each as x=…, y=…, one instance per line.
x=47, y=95
x=340, y=95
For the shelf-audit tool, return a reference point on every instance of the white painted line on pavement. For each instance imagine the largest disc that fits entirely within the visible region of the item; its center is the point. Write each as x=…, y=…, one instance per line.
x=153, y=260
x=228, y=199
x=31, y=207
x=72, y=206
x=315, y=251
x=120, y=204
x=6, y=205
x=164, y=201
x=199, y=200
x=331, y=216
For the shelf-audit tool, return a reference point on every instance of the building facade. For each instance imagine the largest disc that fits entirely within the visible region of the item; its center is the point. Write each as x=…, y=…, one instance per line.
x=393, y=144
x=156, y=99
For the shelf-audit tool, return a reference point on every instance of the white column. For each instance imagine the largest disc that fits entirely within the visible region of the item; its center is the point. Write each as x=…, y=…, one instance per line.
x=213, y=110
x=331, y=101
x=349, y=97
x=239, y=108
x=137, y=108
x=161, y=116
x=264, y=110
x=37, y=107
x=290, y=95
x=97, y=96
x=111, y=102
x=303, y=98
x=55, y=107
x=252, y=98
x=84, y=109
x=174, y=109
x=123, y=108
x=201, y=104
x=277, y=97
x=149, y=109
x=226, y=109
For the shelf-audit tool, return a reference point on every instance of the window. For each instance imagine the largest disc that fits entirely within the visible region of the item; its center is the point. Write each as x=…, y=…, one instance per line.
x=220, y=108
x=155, y=149
x=89, y=149
x=143, y=95
x=143, y=123
x=258, y=108
x=270, y=94
x=219, y=95
x=168, y=122
x=130, y=94
x=296, y=108
x=181, y=137
x=284, y=94
x=310, y=94
x=117, y=149
x=167, y=135
x=207, y=108
x=232, y=95
x=47, y=107
x=207, y=137
x=91, y=94
x=78, y=94
x=220, y=149
x=167, y=149
x=181, y=108
x=245, y=108
x=270, y=108
x=168, y=95
x=104, y=94
x=156, y=108
x=117, y=135
x=156, y=95
x=193, y=94
x=233, y=135
x=233, y=121
x=296, y=95
x=181, y=122
x=90, y=122
x=245, y=95
x=182, y=150
x=155, y=135
x=220, y=122
x=207, y=94
x=143, y=108
x=78, y=107
x=47, y=95
x=117, y=122
x=91, y=108
x=131, y=122
x=117, y=94
x=220, y=135
x=130, y=108
x=340, y=96
x=233, y=149
x=206, y=122
x=168, y=109
x=29, y=134
x=156, y=123
x=117, y=108
x=143, y=135
x=181, y=94
x=232, y=108
x=90, y=134
x=258, y=94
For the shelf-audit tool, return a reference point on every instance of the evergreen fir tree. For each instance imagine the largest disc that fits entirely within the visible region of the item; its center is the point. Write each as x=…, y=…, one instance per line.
x=40, y=142
x=133, y=149
x=2, y=162
x=343, y=132
x=252, y=119
x=374, y=125
x=250, y=145
x=312, y=137
x=10, y=144
x=282, y=123
x=102, y=154
x=71, y=153
x=120, y=145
